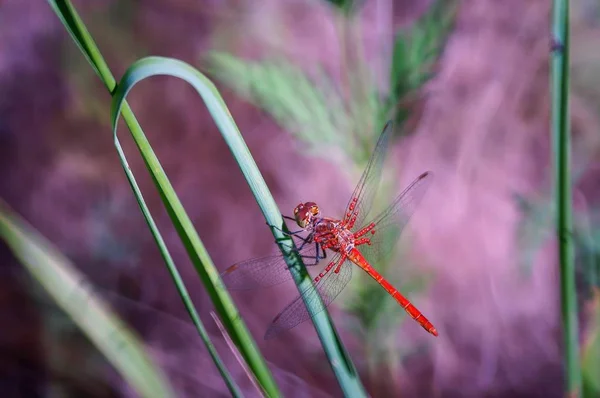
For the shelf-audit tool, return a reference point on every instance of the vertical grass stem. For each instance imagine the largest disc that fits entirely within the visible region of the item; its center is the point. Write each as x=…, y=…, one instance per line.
x=562, y=190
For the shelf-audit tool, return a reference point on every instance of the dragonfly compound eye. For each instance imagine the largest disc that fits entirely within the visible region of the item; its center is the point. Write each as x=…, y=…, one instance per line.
x=300, y=214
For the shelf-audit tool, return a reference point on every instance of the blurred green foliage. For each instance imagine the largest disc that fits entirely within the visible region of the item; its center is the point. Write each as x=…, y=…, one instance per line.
x=314, y=113
x=346, y=6
x=416, y=51
x=536, y=227
x=535, y=230
x=118, y=42
x=314, y=107
x=70, y=289
x=590, y=357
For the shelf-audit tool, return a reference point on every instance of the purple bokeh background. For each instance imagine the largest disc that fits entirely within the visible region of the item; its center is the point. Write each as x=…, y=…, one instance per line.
x=483, y=128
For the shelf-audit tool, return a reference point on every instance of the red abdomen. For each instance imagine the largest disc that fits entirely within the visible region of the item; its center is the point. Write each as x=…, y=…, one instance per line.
x=357, y=258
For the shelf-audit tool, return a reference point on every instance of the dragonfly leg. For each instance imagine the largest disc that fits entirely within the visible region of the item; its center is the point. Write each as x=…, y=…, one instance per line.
x=324, y=255
x=308, y=239
x=312, y=258
x=326, y=245
x=319, y=255
x=326, y=239
x=316, y=258
x=297, y=249
x=286, y=232
x=329, y=267
x=305, y=241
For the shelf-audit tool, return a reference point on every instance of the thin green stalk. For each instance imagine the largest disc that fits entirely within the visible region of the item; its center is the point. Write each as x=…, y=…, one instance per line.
x=191, y=241
x=177, y=279
x=236, y=352
x=562, y=186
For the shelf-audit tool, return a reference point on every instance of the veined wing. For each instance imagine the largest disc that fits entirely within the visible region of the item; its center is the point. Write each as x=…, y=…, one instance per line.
x=267, y=271
x=390, y=223
x=364, y=193
x=328, y=288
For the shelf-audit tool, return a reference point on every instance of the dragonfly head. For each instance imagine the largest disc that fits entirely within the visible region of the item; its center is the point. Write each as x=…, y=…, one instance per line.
x=304, y=213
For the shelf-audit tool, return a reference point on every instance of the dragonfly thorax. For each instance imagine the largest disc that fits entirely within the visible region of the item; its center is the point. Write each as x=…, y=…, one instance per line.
x=345, y=240
x=333, y=235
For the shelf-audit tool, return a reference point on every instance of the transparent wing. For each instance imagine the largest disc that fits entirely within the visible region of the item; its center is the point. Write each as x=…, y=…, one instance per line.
x=364, y=193
x=266, y=271
x=329, y=287
x=390, y=223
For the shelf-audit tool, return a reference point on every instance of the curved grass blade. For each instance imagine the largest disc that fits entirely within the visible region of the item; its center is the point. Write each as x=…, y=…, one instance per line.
x=64, y=284
x=79, y=34
x=343, y=367
x=154, y=66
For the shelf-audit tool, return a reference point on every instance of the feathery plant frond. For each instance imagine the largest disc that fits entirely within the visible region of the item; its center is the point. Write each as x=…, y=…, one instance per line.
x=315, y=110
x=416, y=50
x=314, y=113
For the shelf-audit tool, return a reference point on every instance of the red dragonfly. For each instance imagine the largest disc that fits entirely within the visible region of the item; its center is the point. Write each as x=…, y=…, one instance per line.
x=351, y=239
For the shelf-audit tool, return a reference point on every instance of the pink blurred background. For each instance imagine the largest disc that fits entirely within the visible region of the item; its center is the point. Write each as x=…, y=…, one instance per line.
x=482, y=269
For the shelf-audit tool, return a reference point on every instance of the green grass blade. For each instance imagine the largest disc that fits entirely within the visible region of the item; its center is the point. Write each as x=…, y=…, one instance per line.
x=343, y=367
x=199, y=252
x=153, y=66
x=67, y=287
x=84, y=41
x=562, y=189
x=82, y=38
x=179, y=284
